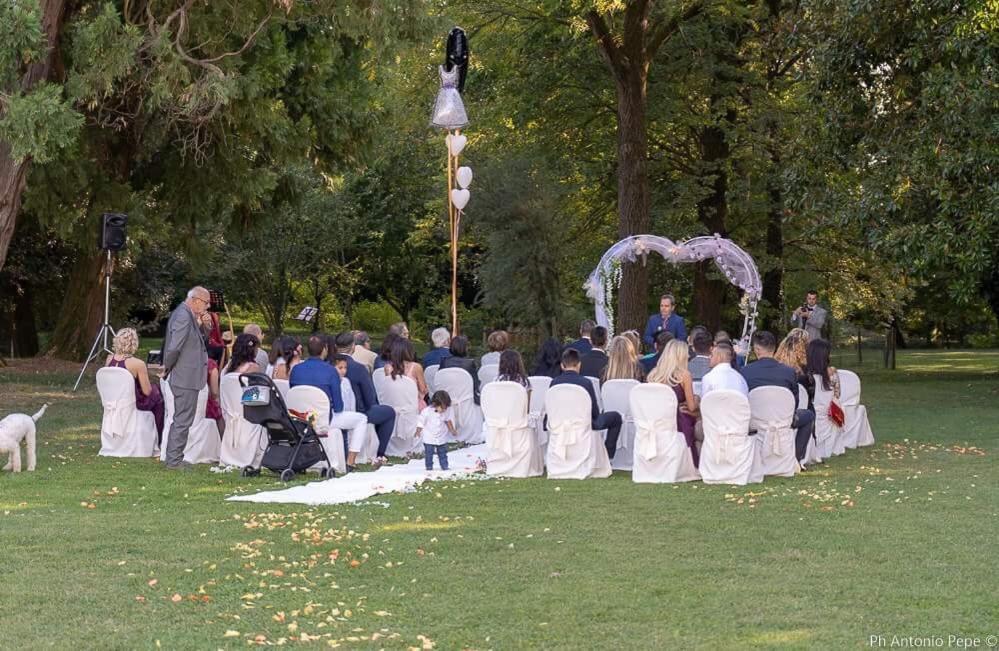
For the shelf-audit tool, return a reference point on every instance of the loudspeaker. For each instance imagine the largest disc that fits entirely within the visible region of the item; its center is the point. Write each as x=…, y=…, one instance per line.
x=113, y=235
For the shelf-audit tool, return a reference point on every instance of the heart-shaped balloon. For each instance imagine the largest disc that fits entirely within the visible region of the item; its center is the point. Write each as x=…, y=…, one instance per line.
x=455, y=143
x=464, y=176
x=460, y=198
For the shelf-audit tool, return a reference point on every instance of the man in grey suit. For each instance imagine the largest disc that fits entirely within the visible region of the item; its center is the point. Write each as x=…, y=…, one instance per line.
x=185, y=361
x=811, y=316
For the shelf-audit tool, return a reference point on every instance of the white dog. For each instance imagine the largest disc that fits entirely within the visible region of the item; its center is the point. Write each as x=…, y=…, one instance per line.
x=15, y=428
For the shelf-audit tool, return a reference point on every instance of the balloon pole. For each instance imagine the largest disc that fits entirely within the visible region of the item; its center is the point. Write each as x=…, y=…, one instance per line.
x=453, y=223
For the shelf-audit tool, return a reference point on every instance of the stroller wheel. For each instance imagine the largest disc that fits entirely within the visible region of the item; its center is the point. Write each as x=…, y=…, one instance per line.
x=287, y=474
x=326, y=473
x=249, y=471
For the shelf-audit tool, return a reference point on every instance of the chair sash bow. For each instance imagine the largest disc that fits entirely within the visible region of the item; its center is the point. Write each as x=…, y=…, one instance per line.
x=503, y=430
x=116, y=413
x=723, y=453
x=772, y=431
x=646, y=435
x=564, y=434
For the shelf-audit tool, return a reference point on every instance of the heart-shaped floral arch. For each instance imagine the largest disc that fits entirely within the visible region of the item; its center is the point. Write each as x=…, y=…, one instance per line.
x=734, y=263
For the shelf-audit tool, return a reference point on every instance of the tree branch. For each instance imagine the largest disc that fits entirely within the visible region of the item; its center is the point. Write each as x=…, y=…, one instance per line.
x=667, y=28
x=605, y=41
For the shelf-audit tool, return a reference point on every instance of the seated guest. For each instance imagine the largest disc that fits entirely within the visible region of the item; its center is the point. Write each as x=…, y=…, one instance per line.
x=817, y=363
x=147, y=395
x=593, y=363
x=498, y=341
x=511, y=369
x=254, y=329
x=459, y=359
x=635, y=339
x=700, y=341
x=768, y=372
x=608, y=420
x=671, y=370
x=353, y=445
x=245, y=354
x=583, y=344
x=649, y=362
x=622, y=361
x=737, y=346
x=315, y=372
x=548, y=362
x=792, y=352
x=402, y=361
x=362, y=350
x=363, y=388
x=212, y=331
x=441, y=339
x=286, y=353
x=722, y=375
x=399, y=329
x=667, y=319
x=385, y=352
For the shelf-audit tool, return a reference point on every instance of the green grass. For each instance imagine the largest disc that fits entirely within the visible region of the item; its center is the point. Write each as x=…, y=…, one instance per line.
x=898, y=539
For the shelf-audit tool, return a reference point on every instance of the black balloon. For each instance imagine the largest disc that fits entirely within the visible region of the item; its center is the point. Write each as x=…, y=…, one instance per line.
x=457, y=55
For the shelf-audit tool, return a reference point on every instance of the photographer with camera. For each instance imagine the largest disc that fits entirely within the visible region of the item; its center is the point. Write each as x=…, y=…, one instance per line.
x=810, y=316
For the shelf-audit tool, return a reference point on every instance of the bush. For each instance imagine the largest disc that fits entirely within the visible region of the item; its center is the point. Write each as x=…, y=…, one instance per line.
x=374, y=318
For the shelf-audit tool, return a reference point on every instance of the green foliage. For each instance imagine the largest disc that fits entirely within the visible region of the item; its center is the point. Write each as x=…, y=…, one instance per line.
x=21, y=40
x=39, y=124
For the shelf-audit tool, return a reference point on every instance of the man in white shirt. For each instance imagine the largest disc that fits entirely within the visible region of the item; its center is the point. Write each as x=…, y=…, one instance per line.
x=722, y=375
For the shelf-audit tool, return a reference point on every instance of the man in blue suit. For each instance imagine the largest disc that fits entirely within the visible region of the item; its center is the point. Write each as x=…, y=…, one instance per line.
x=649, y=362
x=584, y=344
x=441, y=339
x=768, y=372
x=315, y=372
x=666, y=320
x=381, y=416
x=608, y=420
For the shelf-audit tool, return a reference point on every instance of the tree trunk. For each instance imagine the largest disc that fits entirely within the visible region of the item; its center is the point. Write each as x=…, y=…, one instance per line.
x=82, y=310
x=712, y=211
x=773, y=277
x=632, y=193
x=25, y=335
x=14, y=174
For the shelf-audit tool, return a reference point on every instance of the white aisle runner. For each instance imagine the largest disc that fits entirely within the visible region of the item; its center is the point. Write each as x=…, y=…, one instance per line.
x=361, y=485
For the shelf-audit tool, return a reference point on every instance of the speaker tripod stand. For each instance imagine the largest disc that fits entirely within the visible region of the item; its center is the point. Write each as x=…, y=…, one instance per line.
x=102, y=332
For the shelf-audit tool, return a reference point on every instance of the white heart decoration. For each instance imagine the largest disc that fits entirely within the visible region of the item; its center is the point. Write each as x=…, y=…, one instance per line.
x=464, y=176
x=455, y=143
x=460, y=198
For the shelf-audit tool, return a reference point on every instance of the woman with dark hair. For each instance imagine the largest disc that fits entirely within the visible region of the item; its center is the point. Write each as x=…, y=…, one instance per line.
x=511, y=368
x=549, y=359
x=244, y=355
x=402, y=361
x=459, y=359
x=286, y=353
x=817, y=364
x=386, y=350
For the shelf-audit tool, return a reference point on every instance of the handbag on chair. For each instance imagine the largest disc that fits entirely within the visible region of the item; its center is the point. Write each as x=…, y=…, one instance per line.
x=836, y=414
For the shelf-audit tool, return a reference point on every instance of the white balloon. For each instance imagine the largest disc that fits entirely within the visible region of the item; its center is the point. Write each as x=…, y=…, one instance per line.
x=460, y=198
x=455, y=143
x=464, y=176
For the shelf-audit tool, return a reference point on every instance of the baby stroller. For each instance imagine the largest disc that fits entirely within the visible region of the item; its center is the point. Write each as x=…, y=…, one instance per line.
x=292, y=445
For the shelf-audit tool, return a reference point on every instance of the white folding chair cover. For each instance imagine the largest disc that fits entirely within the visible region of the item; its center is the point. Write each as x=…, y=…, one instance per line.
x=402, y=395
x=428, y=374
x=283, y=387
x=615, y=398
x=244, y=443
x=595, y=381
x=729, y=455
x=203, y=444
x=661, y=452
x=125, y=431
x=467, y=415
x=772, y=410
x=167, y=412
x=857, y=429
x=512, y=441
x=539, y=389
x=827, y=434
x=697, y=388
x=575, y=451
x=487, y=374
x=307, y=399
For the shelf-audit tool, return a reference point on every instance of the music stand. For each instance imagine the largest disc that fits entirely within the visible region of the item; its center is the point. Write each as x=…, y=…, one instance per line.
x=216, y=301
x=307, y=314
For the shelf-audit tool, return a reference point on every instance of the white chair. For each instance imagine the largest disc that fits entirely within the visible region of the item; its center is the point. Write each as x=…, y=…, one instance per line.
x=662, y=455
x=697, y=388
x=487, y=374
x=772, y=410
x=402, y=395
x=614, y=394
x=575, y=451
x=513, y=444
x=467, y=415
x=125, y=431
x=284, y=387
x=307, y=399
x=428, y=374
x=244, y=443
x=595, y=381
x=827, y=433
x=729, y=454
x=539, y=389
x=857, y=428
x=203, y=441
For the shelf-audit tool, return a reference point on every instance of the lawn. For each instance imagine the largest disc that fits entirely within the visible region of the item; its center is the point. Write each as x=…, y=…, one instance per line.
x=897, y=539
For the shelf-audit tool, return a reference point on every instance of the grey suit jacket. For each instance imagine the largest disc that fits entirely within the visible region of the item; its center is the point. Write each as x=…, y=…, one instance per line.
x=184, y=355
x=813, y=324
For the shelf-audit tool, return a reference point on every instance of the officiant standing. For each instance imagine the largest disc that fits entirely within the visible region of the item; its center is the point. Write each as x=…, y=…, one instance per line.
x=666, y=320
x=185, y=361
x=810, y=316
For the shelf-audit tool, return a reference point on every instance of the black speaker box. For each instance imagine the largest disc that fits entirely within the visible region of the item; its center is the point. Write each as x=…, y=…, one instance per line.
x=113, y=235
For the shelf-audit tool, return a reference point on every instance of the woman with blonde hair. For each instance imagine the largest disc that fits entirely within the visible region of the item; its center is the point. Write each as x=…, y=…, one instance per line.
x=635, y=339
x=792, y=352
x=622, y=361
x=147, y=394
x=672, y=371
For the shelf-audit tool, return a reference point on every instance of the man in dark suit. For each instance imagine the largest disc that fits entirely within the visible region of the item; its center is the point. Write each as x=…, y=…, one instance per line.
x=648, y=363
x=593, y=363
x=185, y=361
x=381, y=416
x=584, y=343
x=608, y=420
x=667, y=320
x=768, y=372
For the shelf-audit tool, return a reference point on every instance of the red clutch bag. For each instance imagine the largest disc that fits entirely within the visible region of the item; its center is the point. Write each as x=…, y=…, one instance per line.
x=836, y=414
